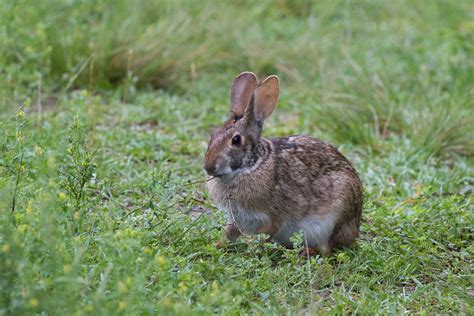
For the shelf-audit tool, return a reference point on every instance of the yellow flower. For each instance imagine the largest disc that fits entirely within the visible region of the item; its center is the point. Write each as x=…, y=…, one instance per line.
x=67, y=268
x=182, y=287
x=51, y=162
x=167, y=302
x=29, y=207
x=122, y=305
x=130, y=232
x=39, y=151
x=19, y=217
x=20, y=114
x=34, y=302
x=77, y=215
x=161, y=260
x=62, y=196
x=215, y=286
x=22, y=228
x=5, y=248
x=122, y=287
x=19, y=137
x=147, y=250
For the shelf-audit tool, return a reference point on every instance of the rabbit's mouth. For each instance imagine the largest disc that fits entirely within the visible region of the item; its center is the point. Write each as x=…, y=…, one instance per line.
x=225, y=176
x=218, y=172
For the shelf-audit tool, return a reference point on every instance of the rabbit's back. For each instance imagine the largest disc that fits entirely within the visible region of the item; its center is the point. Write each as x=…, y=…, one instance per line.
x=310, y=171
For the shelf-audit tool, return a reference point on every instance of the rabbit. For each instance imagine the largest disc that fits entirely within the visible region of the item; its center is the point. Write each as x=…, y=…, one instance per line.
x=280, y=186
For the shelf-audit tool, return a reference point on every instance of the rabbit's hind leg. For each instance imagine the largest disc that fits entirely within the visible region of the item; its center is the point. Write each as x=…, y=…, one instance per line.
x=345, y=234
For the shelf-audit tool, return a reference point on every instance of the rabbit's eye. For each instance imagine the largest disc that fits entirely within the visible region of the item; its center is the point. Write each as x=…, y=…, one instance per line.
x=236, y=140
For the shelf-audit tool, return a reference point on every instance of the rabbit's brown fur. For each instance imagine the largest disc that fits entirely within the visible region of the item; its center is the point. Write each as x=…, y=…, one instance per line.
x=283, y=185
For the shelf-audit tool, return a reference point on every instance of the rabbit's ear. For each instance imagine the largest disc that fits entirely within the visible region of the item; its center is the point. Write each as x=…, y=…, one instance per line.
x=242, y=88
x=266, y=97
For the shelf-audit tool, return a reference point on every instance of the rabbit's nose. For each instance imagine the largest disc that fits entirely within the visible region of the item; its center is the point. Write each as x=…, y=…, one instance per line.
x=210, y=169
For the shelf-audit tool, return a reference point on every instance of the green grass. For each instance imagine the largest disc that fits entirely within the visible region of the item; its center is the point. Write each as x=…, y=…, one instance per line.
x=106, y=109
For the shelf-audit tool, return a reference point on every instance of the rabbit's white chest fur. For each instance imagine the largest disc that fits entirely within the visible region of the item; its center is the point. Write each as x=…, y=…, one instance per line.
x=247, y=220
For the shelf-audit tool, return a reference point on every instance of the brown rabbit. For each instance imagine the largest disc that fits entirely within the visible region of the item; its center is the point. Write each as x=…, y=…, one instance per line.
x=280, y=186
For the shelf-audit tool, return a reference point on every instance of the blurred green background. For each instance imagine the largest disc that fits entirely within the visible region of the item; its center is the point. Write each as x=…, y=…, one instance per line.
x=105, y=113
x=368, y=69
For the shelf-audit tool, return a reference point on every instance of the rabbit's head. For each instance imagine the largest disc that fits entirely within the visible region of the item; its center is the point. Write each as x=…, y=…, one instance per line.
x=233, y=147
